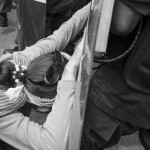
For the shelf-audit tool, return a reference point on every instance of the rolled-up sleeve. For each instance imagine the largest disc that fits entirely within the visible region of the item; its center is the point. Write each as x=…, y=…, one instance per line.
x=59, y=119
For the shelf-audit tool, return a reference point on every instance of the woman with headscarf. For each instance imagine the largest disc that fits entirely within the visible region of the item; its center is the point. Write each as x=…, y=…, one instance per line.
x=15, y=129
x=24, y=134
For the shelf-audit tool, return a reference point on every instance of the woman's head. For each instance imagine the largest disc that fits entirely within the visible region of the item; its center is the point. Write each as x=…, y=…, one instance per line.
x=43, y=73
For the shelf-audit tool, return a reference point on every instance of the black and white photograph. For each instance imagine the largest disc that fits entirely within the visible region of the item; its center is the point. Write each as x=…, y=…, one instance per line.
x=74, y=74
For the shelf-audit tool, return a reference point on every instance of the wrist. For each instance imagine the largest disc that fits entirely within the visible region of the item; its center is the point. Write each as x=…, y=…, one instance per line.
x=69, y=74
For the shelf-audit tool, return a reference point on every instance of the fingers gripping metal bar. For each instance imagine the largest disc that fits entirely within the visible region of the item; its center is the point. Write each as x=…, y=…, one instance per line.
x=95, y=39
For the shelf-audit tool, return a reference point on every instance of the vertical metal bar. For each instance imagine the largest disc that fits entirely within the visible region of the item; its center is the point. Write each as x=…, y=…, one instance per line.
x=96, y=37
x=104, y=25
x=31, y=20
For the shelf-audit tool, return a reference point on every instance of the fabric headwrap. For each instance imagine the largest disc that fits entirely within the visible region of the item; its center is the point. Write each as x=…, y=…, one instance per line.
x=12, y=100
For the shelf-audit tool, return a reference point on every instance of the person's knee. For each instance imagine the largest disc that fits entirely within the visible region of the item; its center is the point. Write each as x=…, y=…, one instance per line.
x=124, y=19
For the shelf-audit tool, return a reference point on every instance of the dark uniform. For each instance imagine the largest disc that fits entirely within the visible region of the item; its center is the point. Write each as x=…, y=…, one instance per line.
x=5, y=5
x=119, y=94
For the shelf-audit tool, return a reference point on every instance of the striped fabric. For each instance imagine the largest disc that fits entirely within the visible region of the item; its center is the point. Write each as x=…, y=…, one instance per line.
x=7, y=107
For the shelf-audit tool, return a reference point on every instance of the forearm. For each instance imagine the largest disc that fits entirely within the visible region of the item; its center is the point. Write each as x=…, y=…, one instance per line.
x=16, y=130
x=71, y=28
x=60, y=37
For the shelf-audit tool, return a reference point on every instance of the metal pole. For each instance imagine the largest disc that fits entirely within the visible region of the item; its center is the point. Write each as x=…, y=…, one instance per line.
x=95, y=40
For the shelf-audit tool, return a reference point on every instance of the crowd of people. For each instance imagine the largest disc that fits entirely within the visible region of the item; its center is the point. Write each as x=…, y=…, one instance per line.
x=37, y=85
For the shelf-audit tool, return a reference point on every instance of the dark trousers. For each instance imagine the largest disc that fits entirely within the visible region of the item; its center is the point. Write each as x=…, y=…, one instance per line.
x=54, y=21
x=102, y=131
x=5, y=6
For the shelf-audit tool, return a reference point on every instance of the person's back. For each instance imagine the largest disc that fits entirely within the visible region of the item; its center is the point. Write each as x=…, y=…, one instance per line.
x=116, y=104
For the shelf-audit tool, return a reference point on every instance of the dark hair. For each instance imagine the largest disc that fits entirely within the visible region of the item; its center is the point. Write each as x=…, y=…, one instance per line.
x=34, y=75
x=34, y=81
x=6, y=70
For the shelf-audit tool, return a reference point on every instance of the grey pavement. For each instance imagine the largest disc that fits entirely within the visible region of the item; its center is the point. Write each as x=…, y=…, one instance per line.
x=130, y=142
x=8, y=34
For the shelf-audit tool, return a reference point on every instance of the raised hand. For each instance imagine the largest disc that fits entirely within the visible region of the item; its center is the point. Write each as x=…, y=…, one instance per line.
x=72, y=66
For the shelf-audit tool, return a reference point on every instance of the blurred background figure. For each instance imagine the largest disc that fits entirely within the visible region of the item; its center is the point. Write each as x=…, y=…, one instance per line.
x=5, y=6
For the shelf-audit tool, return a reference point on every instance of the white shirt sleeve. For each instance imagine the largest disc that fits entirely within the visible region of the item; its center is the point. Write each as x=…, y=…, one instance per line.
x=20, y=132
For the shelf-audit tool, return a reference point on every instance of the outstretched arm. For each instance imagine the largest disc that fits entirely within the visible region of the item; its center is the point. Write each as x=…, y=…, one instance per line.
x=59, y=39
x=22, y=133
